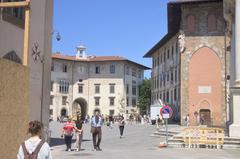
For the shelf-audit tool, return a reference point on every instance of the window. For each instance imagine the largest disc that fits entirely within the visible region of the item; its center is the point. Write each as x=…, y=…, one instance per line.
x=127, y=70
x=63, y=86
x=134, y=72
x=80, y=88
x=52, y=66
x=97, y=101
x=134, y=88
x=161, y=58
x=97, y=69
x=212, y=22
x=112, y=69
x=111, y=112
x=168, y=76
x=127, y=101
x=112, y=88
x=64, y=68
x=81, y=69
x=175, y=94
x=111, y=101
x=175, y=75
x=158, y=60
x=97, y=88
x=168, y=52
x=64, y=100
x=14, y=16
x=191, y=23
x=127, y=89
x=51, y=112
x=171, y=76
x=134, y=102
x=167, y=96
x=139, y=74
x=51, y=100
x=52, y=84
x=172, y=52
x=164, y=56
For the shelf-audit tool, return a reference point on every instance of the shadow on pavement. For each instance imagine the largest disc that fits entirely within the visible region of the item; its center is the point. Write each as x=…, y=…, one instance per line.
x=60, y=141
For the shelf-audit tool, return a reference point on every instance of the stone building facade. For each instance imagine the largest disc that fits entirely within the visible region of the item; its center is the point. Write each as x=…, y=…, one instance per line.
x=199, y=28
x=88, y=83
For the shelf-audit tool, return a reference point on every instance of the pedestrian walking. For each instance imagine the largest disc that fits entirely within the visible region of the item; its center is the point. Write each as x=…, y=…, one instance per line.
x=96, y=130
x=121, y=124
x=79, y=132
x=67, y=133
x=187, y=120
x=158, y=121
x=34, y=147
x=111, y=121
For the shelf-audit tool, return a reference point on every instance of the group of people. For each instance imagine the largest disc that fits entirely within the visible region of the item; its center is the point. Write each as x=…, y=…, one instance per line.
x=199, y=119
x=36, y=147
x=96, y=122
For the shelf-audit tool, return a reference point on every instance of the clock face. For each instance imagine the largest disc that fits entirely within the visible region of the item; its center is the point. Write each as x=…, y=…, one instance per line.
x=36, y=52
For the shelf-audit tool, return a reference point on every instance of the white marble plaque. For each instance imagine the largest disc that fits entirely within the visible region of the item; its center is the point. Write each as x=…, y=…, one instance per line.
x=204, y=89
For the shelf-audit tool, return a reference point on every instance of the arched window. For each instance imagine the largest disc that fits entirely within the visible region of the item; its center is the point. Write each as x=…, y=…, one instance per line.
x=212, y=22
x=12, y=55
x=191, y=23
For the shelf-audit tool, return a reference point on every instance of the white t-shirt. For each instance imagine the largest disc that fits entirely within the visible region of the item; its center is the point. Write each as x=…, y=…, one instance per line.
x=31, y=145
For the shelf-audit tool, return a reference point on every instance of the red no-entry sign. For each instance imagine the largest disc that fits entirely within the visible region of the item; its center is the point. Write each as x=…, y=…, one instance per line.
x=166, y=112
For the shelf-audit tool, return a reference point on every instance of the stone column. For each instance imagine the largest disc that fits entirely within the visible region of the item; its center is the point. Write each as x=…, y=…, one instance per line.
x=234, y=129
x=237, y=43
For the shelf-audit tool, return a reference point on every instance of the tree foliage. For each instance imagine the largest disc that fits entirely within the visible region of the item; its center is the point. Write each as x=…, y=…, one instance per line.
x=144, y=100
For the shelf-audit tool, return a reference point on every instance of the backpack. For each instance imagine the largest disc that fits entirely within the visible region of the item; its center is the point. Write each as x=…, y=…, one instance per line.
x=34, y=154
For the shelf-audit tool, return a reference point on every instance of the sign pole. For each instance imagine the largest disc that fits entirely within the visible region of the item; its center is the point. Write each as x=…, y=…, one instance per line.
x=166, y=121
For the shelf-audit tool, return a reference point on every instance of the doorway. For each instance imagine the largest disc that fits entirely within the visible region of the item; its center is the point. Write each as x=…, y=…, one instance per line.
x=206, y=114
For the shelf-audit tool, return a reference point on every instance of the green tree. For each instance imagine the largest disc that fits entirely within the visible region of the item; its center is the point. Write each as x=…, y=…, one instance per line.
x=144, y=100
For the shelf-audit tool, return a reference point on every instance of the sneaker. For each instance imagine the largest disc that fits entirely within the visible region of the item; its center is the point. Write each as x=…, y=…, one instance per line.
x=99, y=149
x=77, y=150
x=69, y=150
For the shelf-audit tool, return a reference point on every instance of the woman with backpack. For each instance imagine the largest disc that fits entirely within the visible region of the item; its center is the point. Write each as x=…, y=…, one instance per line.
x=34, y=147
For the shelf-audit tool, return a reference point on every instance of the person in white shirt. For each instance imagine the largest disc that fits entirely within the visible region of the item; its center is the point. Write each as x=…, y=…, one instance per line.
x=35, y=144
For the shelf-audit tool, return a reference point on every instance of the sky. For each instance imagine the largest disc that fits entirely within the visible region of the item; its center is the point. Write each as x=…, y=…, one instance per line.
x=126, y=28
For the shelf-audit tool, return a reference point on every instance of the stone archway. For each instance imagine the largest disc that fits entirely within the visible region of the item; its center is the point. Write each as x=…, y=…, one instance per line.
x=79, y=105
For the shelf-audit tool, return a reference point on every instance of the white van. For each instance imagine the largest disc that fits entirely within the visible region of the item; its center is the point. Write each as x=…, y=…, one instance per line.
x=154, y=111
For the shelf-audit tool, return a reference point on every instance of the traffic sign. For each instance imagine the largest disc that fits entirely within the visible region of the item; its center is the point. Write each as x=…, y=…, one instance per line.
x=166, y=112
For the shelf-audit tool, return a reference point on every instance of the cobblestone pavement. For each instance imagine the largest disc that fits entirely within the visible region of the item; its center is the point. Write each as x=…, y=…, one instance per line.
x=136, y=144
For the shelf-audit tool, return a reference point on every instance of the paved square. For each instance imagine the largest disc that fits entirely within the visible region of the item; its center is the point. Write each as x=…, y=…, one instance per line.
x=136, y=144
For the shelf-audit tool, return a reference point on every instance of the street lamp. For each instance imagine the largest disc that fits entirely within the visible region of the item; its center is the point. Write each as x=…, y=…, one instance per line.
x=42, y=60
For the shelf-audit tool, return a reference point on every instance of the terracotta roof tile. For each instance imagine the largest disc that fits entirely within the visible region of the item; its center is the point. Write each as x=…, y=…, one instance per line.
x=96, y=59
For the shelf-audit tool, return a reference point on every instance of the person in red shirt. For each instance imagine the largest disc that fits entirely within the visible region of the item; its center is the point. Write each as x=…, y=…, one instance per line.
x=67, y=133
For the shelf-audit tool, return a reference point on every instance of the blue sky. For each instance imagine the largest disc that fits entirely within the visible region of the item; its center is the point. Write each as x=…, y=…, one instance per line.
x=127, y=28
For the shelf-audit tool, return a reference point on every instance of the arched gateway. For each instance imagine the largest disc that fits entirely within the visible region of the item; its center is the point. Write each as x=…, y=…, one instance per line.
x=79, y=105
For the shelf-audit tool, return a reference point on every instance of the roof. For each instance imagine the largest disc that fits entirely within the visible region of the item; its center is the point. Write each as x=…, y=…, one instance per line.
x=193, y=1
x=96, y=59
x=163, y=41
x=174, y=19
